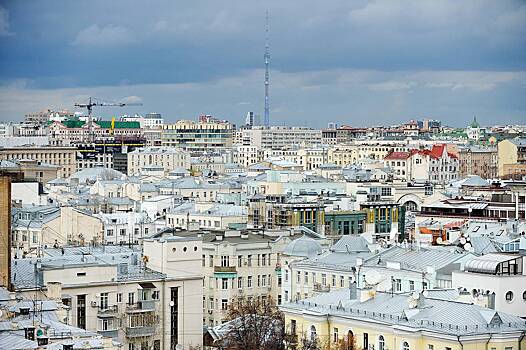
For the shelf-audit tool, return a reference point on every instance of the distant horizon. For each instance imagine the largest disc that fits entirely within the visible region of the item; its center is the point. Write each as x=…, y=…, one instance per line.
x=362, y=62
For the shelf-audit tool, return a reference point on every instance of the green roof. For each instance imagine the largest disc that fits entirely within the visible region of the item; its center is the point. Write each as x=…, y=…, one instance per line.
x=106, y=124
x=73, y=123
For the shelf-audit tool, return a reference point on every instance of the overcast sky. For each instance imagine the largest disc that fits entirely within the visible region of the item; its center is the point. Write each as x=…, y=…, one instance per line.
x=352, y=62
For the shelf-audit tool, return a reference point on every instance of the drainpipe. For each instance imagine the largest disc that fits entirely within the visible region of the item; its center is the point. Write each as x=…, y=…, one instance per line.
x=462, y=345
x=520, y=339
x=489, y=339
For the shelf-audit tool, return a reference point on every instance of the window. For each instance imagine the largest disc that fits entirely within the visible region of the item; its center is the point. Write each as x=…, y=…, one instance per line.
x=240, y=282
x=211, y=261
x=131, y=298
x=224, y=283
x=323, y=279
x=424, y=285
x=298, y=277
x=119, y=297
x=224, y=304
x=249, y=281
x=366, y=341
x=313, y=333
x=122, y=232
x=104, y=301
x=224, y=261
x=430, y=347
x=109, y=233
x=239, y=261
x=411, y=285
x=524, y=295
x=155, y=295
x=405, y=346
x=509, y=296
x=249, y=260
x=381, y=343
x=397, y=284
x=306, y=277
x=335, y=335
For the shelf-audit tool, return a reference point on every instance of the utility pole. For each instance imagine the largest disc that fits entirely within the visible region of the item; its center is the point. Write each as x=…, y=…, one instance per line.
x=267, y=77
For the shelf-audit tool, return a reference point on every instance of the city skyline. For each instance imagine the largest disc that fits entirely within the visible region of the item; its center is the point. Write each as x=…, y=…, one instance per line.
x=358, y=63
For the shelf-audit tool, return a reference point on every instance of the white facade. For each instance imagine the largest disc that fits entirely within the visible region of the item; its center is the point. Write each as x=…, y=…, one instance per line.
x=168, y=158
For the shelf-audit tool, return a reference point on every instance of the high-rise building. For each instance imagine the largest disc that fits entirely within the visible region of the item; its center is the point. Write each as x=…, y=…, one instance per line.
x=207, y=135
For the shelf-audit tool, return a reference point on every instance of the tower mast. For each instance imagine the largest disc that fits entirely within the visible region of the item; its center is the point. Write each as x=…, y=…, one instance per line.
x=267, y=78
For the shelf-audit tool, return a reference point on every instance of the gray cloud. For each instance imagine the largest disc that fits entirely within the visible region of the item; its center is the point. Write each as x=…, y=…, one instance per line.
x=346, y=60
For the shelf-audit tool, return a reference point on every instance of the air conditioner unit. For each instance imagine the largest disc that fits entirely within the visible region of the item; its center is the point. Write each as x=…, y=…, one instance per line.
x=94, y=303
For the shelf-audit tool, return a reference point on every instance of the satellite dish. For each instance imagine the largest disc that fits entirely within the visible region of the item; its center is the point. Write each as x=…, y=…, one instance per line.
x=415, y=295
x=373, y=277
x=468, y=238
x=425, y=293
x=384, y=286
x=462, y=240
x=439, y=240
x=469, y=247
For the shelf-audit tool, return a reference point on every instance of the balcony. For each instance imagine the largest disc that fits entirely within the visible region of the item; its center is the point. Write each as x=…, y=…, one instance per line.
x=318, y=287
x=141, y=306
x=109, y=333
x=144, y=331
x=225, y=271
x=108, y=311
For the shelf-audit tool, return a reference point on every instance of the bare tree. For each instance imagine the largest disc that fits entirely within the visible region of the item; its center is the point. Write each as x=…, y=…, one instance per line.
x=254, y=324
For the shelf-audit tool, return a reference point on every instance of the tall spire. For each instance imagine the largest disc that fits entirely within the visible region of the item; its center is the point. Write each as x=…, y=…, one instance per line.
x=267, y=77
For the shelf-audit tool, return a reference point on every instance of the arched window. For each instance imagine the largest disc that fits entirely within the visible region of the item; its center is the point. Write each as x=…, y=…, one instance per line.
x=312, y=333
x=381, y=343
x=405, y=346
x=350, y=341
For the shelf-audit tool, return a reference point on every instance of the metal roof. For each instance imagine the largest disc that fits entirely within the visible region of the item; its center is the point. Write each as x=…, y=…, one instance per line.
x=488, y=263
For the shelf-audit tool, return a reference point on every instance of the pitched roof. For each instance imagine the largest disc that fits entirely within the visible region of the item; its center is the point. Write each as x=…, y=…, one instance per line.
x=397, y=155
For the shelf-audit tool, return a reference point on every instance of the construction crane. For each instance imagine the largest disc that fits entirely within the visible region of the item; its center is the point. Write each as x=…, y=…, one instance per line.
x=89, y=106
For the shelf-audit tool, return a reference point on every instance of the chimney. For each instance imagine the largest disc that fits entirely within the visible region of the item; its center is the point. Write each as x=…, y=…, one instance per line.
x=353, y=292
x=366, y=294
x=54, y=290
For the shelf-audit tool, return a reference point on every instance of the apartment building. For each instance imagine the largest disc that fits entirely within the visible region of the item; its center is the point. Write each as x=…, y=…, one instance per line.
x=206, y=215
x=63, y=157
x=280, y=211
x=73, y=132
x=280, y=137
x=234, y=264
x=166, y=158
x=365, y=318
x=512, y=158
x=478, y=161
x=115, y=292
x=209, y=134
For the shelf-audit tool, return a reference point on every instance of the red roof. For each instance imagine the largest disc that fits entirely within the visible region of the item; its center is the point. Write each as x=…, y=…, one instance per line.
x=397, y=155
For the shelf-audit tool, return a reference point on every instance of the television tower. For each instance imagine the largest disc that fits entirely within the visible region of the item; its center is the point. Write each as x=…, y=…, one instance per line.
x=267, y=79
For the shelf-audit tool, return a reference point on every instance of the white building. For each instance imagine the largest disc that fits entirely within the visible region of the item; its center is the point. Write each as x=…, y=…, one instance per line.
x=118, y=293
x=168, y=158
x=498, y=278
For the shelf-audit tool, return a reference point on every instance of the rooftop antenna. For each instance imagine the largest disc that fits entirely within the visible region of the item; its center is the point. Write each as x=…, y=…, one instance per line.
x=267, y=78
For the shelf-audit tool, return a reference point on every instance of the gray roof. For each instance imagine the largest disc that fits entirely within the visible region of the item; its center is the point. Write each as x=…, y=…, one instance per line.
x=417, y=259
x=303, y=247
x=14, y=341
x=488, y=263
x=434, y=314
x=351, y=243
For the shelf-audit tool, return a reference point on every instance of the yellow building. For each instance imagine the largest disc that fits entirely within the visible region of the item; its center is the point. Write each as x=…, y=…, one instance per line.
x=511, y=157
x=431, y=320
